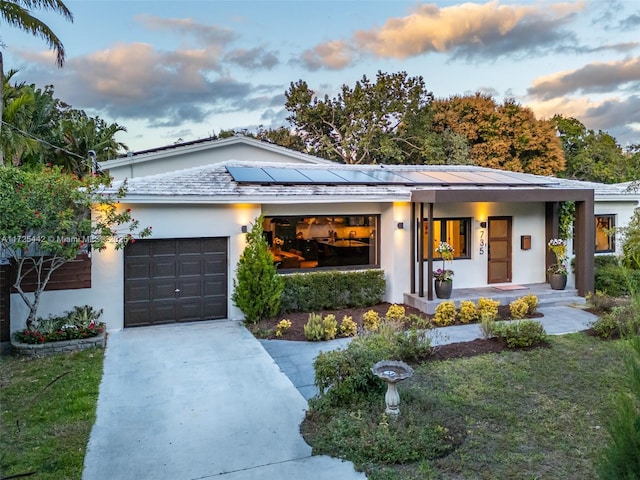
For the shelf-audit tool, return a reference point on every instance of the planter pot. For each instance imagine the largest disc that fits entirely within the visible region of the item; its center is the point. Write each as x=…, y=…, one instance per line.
x=443, y=289
x=557, y=281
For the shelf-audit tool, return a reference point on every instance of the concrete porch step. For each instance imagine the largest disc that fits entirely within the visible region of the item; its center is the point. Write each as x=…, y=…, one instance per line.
x=546, y=296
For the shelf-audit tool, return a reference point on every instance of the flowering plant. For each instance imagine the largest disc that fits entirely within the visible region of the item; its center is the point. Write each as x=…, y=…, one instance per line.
x=278, y=242
x=559, y=249
x=443, y=274
x=445, y=251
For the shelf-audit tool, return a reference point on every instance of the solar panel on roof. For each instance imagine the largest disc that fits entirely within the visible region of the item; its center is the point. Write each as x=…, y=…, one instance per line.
x=286, y=175
x=323, y=176
x=356, y=176
x=477, y=178
x=448, y=178
x=388, y=177
x=249, y=175
x=420, y=178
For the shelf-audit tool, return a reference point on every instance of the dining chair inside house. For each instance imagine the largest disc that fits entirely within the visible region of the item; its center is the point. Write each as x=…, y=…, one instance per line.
x=290, y=262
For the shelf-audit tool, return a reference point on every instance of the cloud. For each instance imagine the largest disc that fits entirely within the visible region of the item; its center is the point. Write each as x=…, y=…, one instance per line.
x=592, y=78
x=136, y=82
x=467, y=30
x=632, y=22
x=252, y=59
x=206, y=35
x=334, y=55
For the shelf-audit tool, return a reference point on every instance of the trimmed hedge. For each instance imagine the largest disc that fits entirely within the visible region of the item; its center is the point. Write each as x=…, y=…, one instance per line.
x=332, y=290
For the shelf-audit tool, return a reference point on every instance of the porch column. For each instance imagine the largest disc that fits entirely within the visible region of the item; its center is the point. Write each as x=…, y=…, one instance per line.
x=429, y=253
x=413, y=247
x=420, y=250
x=584, y=242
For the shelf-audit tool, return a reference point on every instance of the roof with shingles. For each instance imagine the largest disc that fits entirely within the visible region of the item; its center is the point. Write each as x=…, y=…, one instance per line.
x=213, y=184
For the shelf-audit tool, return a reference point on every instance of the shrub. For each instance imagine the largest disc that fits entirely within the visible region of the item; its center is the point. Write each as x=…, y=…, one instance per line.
x=395, y=312
x=329, y=327
x=487, y=322
x=313, y=329
x=601, y=302
x=620, y=321
x=348, y=328
x=282, y=326
x=610, y=279
x=532, y=303
x=81, y=322
x=332, y=290
x=371, y=320
x=468, y=312
x=519, y=334
x=344, y=375
x=621, y=457
x=445, y=314
x=519, y=308
x=488, y=307
x=257, y=288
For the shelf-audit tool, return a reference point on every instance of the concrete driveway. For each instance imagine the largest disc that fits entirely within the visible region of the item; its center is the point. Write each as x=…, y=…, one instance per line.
x=195, y=401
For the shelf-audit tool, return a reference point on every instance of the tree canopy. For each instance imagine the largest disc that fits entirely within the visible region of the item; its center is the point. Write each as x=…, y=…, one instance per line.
x=40, y=129
x=506, y=136
x=47, y=221
x=373, y=122
x=594, y=156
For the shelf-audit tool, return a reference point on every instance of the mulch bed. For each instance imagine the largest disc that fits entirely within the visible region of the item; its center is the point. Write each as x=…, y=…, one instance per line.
x=266, y=329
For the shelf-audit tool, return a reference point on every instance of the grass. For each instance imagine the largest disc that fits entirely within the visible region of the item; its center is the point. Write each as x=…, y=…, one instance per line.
x=48, y=408
x=535, y=414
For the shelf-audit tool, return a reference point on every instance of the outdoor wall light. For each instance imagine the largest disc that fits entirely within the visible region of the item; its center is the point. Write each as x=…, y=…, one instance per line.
x=400, y=225
x=243, y=229
x=483, y=224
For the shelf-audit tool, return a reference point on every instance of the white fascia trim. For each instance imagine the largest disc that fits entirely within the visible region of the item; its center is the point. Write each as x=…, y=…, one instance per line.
x=222, y=200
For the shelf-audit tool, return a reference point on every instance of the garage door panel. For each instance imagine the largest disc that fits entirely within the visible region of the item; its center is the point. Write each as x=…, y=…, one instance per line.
x=154, y=269
x=164, y=267
x=139, y=292
x=138, y=269
x=163, y=248
x=190, y=289
x=191, y=266
x=215, y=264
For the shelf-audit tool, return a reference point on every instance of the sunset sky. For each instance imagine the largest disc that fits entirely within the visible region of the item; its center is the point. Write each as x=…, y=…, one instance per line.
x=183, y=70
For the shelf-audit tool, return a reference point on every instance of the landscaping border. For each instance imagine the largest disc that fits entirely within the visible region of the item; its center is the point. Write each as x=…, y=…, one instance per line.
x=51, y=348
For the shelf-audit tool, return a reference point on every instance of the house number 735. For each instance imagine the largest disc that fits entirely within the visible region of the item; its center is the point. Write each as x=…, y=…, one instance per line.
x=482, y=243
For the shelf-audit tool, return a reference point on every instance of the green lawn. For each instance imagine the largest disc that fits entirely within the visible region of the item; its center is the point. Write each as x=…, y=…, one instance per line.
x=515, y=415
x=45, y=426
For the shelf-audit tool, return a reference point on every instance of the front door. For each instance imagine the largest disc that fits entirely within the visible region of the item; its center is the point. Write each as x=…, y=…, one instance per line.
x=499, y=250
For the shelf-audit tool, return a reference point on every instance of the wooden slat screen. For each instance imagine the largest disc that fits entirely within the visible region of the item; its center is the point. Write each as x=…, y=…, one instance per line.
x=70, y=276
x=5, y=293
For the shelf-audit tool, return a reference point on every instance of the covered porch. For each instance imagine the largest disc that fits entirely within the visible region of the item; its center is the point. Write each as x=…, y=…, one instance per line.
x=548, y=198
x=505, y=294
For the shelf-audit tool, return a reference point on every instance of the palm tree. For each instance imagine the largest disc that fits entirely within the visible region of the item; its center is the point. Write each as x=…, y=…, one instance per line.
x=17, y=13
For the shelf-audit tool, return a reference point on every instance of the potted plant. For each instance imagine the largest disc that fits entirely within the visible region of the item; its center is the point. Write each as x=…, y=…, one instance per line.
x=557, y=272
x=443, y=277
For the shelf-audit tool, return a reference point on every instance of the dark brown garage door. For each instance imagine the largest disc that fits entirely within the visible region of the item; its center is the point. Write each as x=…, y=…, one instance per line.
x=176, y=280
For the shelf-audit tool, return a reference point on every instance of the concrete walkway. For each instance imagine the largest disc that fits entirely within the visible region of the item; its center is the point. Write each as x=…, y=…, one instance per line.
x=295, y=359
x=196, y=401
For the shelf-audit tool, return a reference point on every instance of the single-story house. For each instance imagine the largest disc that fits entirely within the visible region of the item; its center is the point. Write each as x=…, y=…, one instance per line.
x=201, y=197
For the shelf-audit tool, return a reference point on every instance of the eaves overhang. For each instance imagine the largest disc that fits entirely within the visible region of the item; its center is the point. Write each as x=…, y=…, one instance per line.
x=501, y=195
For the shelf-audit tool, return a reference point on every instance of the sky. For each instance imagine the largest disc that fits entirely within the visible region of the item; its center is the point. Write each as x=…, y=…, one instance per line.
x=172, y=71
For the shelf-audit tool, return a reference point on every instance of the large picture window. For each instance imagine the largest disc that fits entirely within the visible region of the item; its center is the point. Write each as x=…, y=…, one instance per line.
x=605, y=238
x=322, y=241
x=455, y=231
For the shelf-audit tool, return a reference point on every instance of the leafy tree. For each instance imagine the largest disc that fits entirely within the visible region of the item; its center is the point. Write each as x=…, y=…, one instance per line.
x=386, y=121
x=631, y=242
x=257, y=288
x=506, y=136
x=17, y=13
x=44, y=130
x=49, y=217
x=594, y=156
